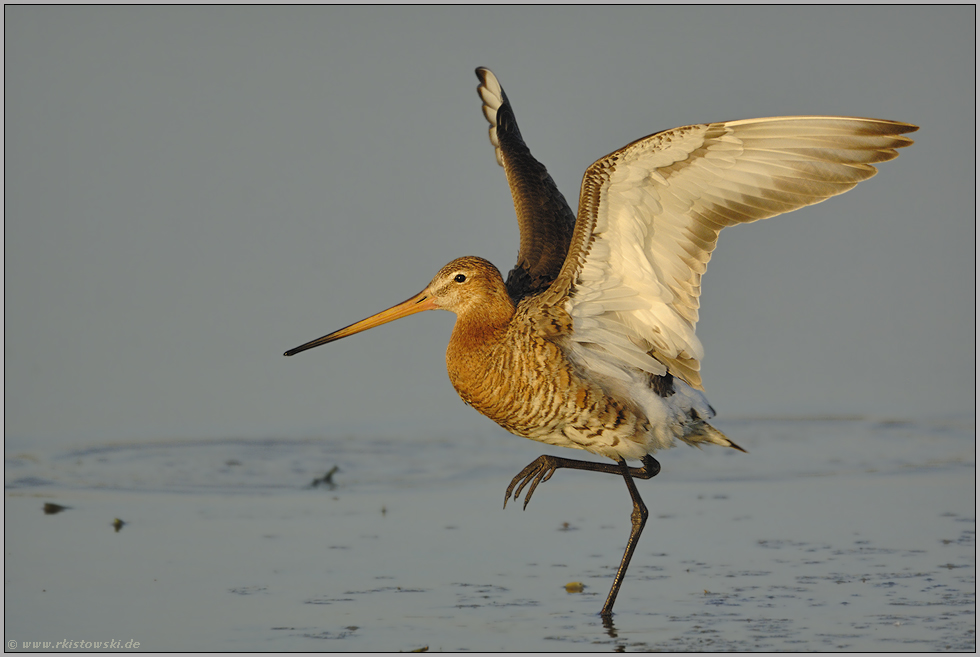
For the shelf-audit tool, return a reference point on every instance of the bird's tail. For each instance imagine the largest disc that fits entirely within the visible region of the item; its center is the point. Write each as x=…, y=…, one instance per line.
x=700, y=431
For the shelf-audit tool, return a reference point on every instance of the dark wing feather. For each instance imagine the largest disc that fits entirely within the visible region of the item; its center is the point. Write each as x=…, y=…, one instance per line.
x=545, y=220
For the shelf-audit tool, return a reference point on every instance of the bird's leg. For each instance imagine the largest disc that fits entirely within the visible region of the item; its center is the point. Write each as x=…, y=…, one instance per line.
x=541, y=469
x=639, y=518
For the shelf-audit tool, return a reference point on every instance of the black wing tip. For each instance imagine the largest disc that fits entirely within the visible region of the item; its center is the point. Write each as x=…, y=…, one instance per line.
x=898, y=128
x=734, y=446
x=903, y=127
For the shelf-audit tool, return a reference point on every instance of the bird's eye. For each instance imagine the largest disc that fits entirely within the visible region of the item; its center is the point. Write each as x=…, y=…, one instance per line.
x=460, y=278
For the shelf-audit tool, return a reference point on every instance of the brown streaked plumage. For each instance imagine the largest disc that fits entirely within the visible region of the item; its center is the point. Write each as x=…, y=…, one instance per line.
x=590, y=342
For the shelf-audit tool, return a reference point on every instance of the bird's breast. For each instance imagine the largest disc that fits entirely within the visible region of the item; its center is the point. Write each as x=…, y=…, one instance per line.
x=523, y=381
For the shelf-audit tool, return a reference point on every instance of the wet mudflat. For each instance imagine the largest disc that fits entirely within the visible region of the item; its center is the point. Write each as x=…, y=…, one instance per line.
x=831, y=534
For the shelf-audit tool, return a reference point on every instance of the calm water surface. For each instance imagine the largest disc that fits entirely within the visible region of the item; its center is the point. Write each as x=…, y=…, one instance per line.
x=831, y=534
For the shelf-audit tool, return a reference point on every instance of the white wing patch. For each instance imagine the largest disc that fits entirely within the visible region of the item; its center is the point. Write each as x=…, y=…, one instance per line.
x=662, y=202
x=492, y=95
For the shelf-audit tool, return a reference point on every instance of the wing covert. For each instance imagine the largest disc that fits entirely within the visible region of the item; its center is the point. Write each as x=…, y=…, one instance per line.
x=650, y=214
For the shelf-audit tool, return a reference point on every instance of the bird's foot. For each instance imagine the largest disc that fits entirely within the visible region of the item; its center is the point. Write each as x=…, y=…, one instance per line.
x=537, y=471
x=541, y=469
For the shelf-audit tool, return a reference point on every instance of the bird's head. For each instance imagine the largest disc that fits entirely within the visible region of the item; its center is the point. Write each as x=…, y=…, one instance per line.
x=471, y=287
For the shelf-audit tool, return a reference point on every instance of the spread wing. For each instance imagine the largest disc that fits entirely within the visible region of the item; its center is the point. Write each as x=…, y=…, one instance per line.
x=650, y=213
x=545, y=220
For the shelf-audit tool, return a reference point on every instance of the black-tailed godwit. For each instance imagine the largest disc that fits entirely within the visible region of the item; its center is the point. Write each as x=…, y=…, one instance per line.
x=590, y=342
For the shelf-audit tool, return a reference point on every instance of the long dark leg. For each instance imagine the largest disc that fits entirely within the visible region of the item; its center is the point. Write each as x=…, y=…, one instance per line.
x=544, y=466
x=639, y=518
x=541, y=469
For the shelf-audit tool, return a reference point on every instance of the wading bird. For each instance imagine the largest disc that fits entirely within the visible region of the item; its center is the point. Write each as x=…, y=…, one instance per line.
x=590, y=342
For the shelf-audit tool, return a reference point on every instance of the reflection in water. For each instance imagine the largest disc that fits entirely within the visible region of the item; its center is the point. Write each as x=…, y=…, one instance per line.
x=607, y=622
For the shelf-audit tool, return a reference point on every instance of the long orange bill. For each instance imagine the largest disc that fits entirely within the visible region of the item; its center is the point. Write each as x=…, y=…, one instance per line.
x=421, y=301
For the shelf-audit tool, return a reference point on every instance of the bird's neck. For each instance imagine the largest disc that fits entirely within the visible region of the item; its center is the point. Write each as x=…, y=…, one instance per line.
x=482, y=327
x=478, y=350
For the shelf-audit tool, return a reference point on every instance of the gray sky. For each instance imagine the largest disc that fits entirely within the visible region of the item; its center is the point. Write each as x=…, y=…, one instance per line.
x=192, y=191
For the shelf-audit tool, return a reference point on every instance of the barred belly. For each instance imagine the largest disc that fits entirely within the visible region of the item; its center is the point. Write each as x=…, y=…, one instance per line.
x=532, y=390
